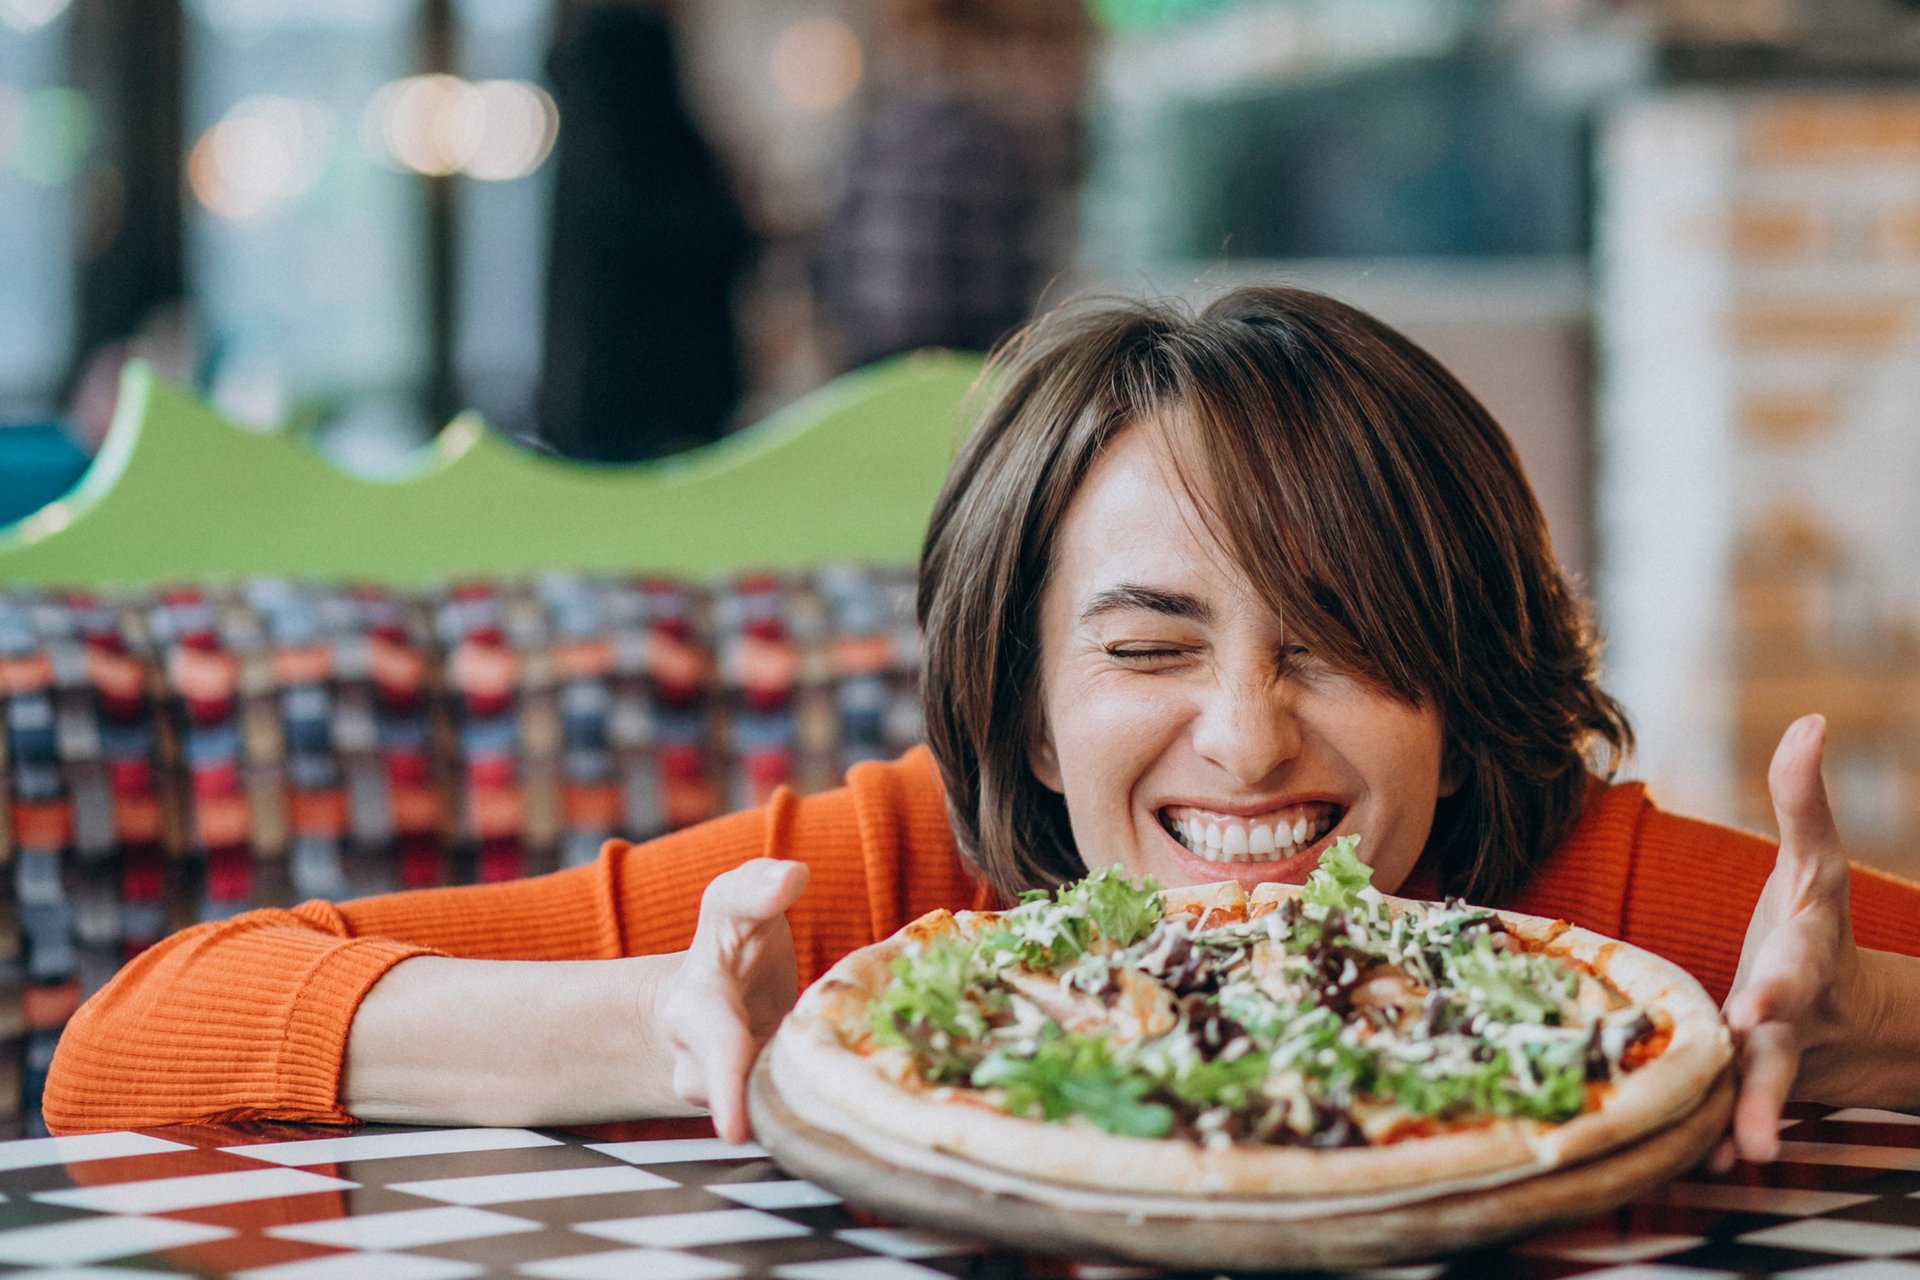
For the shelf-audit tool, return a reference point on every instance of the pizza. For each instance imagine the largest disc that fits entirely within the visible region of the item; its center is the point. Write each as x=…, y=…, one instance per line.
x=1311, y=1041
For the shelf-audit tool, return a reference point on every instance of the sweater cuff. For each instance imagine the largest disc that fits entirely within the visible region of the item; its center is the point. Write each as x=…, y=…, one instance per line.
x=313, y=1060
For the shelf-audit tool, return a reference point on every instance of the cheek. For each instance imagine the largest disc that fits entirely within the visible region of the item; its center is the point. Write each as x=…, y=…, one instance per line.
x=1108, y=713
x=1396, y=744
x=1411, y=764
x=1107, y=730
x=1407, y=768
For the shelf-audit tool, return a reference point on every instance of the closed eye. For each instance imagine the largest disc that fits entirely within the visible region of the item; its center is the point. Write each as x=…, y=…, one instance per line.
x=1146, y=655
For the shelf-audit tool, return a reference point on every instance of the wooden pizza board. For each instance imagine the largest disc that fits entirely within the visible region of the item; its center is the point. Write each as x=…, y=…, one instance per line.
x=1024, y=1214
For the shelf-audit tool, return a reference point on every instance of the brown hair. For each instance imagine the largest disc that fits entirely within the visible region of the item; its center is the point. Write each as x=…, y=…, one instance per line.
x=1378, y=507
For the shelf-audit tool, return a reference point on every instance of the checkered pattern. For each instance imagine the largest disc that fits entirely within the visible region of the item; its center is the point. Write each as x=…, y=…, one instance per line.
x=673, y=1203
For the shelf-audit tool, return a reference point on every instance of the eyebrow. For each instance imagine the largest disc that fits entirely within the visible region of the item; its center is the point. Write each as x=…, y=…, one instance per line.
x=1174, y=604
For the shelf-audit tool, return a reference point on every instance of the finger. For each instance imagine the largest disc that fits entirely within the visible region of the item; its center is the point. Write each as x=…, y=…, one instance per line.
x=1722, y=1158
x=716, y=1053
x=1800, y=796
x=1782, y=984
x=739, y=901
x=1770, y=1059
x=1748, y=1007
x=727, y=1069
x=727, y=1091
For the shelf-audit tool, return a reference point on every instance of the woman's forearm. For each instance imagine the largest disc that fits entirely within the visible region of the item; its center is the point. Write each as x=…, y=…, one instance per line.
x=501, y=1042
x=1875, y=1059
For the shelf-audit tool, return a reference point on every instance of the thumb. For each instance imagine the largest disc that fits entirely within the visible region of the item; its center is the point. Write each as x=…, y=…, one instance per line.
x=1800, y=795
x=752, y=894
x=1766, y=997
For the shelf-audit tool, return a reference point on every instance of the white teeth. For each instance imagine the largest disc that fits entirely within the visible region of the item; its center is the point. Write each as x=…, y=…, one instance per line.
x=1238, y=840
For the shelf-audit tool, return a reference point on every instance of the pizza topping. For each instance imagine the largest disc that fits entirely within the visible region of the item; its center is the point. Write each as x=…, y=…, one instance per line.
x=1074, y=1010
x=1143, y=1008
x=1067, y=1074
x=1328, y=1020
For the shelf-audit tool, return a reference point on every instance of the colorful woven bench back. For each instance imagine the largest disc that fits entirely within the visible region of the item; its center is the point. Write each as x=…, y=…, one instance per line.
x=185, y=754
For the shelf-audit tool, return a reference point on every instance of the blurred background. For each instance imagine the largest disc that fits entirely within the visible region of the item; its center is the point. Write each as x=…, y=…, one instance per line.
x=1674, y=245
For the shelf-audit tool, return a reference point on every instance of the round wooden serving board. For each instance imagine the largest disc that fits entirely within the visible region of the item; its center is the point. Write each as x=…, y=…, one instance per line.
x=1026, y=1214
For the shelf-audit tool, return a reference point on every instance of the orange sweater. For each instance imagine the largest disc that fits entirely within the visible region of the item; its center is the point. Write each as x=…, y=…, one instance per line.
x=247, y=1018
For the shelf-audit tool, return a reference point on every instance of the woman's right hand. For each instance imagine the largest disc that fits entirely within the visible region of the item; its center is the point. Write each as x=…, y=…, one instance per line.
x=737, y=980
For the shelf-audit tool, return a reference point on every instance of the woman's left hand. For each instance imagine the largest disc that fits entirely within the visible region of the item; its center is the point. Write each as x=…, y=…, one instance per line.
x=1801, y=983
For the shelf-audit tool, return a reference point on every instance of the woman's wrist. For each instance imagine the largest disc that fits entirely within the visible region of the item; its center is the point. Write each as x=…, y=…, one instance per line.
x=443, y=1041
x=650, y=1078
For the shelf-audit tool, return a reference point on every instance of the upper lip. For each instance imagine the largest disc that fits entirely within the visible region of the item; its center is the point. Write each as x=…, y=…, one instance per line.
x=1250, y=810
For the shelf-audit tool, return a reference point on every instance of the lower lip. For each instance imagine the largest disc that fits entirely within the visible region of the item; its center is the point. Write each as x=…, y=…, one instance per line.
x=1292, y=869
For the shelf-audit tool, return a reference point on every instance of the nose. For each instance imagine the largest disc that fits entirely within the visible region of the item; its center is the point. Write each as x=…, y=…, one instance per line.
x=1249, y=727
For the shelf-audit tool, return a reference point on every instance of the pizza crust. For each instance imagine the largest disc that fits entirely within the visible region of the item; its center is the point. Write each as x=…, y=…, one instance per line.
x=824, y=1074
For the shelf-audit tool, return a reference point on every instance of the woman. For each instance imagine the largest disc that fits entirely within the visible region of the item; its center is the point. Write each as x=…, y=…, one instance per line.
x=1200, y=594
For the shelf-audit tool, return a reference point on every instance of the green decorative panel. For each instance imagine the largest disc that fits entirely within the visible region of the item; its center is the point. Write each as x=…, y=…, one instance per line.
x=180, y=494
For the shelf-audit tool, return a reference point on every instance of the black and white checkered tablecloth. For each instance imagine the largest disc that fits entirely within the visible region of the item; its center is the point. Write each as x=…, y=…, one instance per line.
x=442, y=1204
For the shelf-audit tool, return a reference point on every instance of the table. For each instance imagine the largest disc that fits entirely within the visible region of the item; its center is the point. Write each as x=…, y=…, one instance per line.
x=665, y=1200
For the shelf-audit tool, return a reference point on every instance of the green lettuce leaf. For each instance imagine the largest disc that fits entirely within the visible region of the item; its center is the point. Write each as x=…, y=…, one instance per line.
x=1050, y=930
x=1489, y=1088
x=1233, y=1083
x=929, y=994
x=1336, y=883
x=1513, y=986
x=1120, y=909
x=1075, y=1075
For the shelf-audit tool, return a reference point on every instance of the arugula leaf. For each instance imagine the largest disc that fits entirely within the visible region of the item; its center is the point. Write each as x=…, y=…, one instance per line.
x=929, y=994
x=1336, y=883
x=1265, y=1018
x=1233, y=1083
x=1489, y=1088
x=1075, y=1075
x=1512, y=986
x=1121, y=910
x=1049, y=930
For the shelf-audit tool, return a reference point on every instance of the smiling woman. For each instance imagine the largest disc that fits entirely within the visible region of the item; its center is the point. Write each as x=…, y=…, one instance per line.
x=1187, y=732
x=1275, y=528
x=1201, y=594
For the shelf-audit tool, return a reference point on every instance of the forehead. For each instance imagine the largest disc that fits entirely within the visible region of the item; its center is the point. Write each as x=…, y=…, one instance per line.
x=1133, y=521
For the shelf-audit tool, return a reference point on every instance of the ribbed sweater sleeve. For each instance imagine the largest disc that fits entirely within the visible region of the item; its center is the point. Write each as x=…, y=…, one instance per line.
x=238, y=1019
x=1686, y=889
x=248, y=1018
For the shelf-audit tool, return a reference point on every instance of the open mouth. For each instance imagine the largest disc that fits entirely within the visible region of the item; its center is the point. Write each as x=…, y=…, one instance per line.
x=1268, y=837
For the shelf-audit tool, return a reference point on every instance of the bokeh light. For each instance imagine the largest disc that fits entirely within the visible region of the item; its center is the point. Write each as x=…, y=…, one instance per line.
x=26, y=16
x=439, y=125
x=519, y=122
x=264, y=153
x=420, y=123
x=816, y=64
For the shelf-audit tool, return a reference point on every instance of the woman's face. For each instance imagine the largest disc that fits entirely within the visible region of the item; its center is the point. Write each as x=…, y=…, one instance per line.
x=1191, y=737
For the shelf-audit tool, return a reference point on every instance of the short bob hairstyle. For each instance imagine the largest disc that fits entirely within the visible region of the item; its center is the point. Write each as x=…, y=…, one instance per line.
x=1377, y=505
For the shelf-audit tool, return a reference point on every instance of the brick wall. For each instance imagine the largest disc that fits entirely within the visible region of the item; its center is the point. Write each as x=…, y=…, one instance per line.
x=1759, y=323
